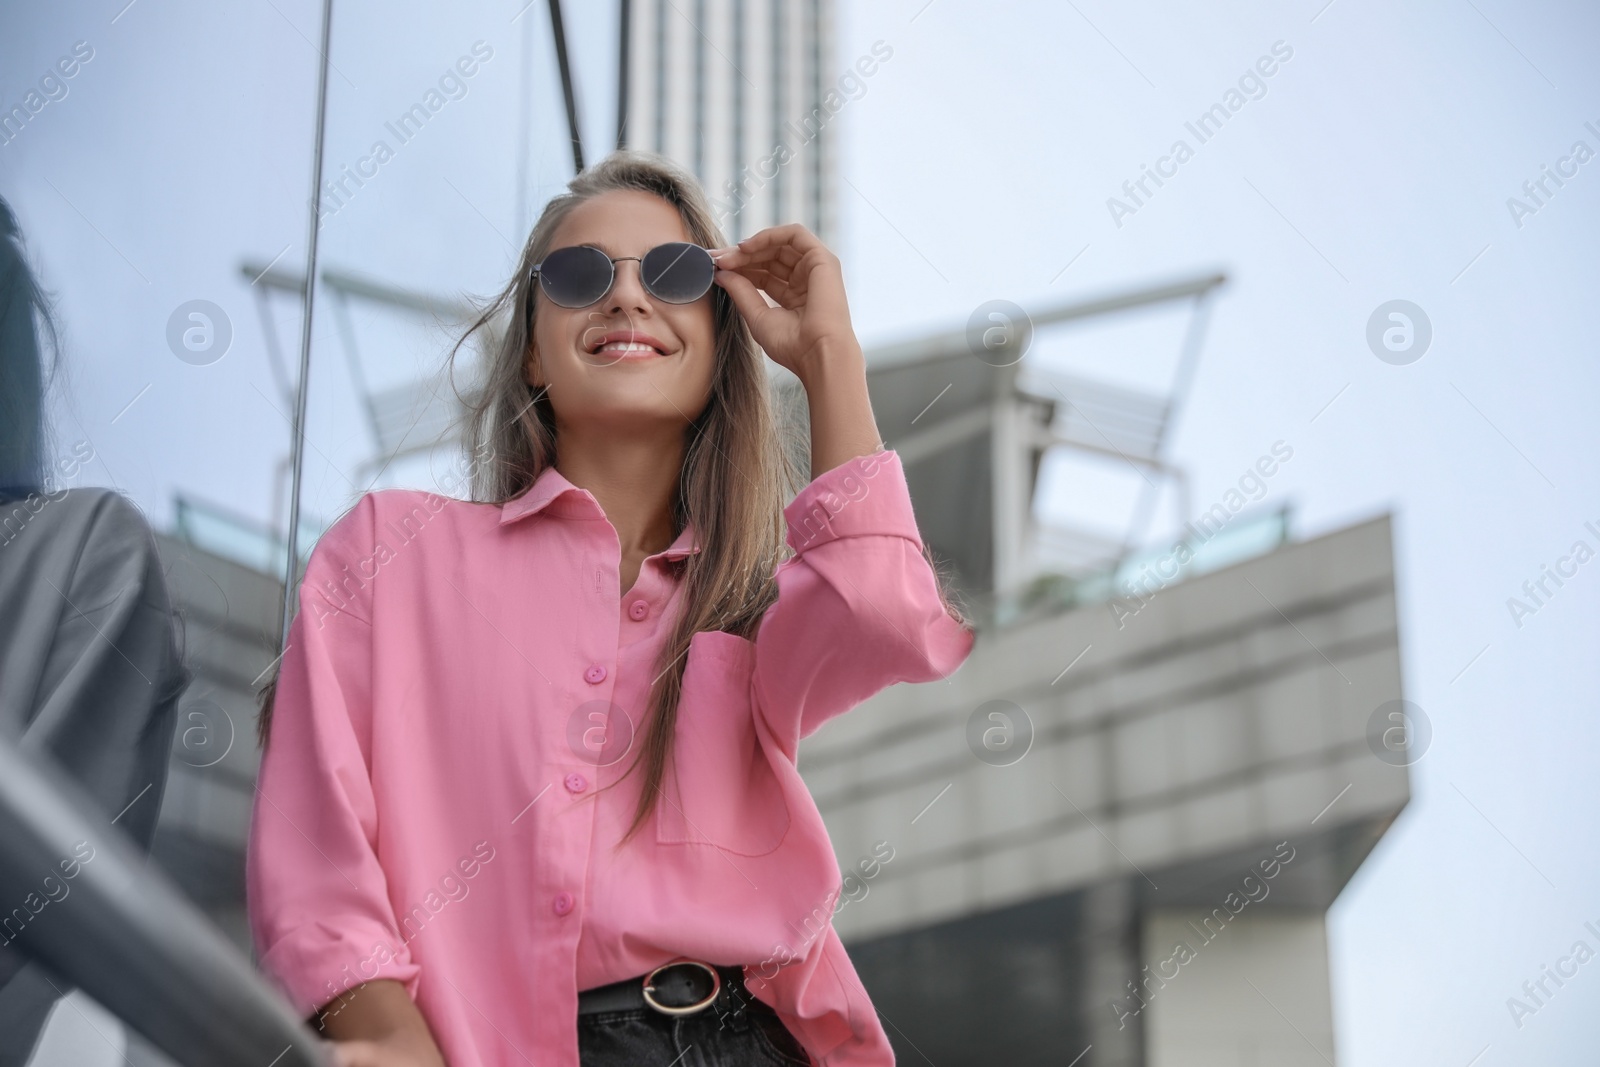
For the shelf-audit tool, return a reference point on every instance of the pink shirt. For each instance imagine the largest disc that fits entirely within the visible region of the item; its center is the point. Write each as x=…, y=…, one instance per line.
x=427, y=808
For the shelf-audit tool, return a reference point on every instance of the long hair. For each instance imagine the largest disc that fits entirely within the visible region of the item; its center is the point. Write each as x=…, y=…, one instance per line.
x=738, y=469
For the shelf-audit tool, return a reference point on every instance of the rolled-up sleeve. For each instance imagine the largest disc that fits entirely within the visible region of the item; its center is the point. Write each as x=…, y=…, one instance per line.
x=858, y=605
x=318, y=901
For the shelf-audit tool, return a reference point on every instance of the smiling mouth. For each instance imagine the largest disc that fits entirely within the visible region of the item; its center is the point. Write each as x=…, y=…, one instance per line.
x=623, y=344
x=626, y=348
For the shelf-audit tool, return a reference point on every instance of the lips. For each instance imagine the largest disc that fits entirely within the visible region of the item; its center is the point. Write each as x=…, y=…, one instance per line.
x=626, y=344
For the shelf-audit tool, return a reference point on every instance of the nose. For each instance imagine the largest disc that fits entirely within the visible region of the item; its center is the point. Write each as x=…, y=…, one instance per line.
x=627, y=295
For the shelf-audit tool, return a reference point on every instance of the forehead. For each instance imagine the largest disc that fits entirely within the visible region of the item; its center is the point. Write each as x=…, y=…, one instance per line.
x=623, y=222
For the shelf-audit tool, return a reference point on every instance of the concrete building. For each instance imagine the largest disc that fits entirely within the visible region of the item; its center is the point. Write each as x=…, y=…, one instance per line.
x=743, y=94
x=1201, y=778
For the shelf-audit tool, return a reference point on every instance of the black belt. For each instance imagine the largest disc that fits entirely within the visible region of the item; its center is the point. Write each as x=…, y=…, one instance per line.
x=682, y=987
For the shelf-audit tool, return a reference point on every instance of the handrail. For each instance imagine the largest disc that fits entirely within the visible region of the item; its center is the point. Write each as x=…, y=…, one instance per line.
x=953, y=343
x=343, y=281
x=113, y=925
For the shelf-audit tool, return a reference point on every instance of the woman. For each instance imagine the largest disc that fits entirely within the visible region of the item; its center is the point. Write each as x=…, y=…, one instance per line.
x=91, y=652
x=545, y=743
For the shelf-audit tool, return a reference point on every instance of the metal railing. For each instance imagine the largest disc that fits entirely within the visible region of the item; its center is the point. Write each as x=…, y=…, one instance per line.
x=116, y=928
x=225, y=533
x=1134, y=576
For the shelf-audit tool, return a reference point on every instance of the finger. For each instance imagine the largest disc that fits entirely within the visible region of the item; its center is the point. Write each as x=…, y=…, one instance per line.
x=776, y=258
x=745, y=296
x=780, y=259
x=765, y=303
x=783, y=281
x=758, y=276
x=804, y=275
x=786, y=254
x=761, y=271
x=785, y=293
x=793, y=234
x=778, y=248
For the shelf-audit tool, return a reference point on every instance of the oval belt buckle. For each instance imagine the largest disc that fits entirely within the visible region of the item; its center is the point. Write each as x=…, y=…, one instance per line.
x=689, y=1009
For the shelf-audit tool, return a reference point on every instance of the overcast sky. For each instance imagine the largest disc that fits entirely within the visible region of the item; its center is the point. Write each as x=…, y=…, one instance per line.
x=1374, y=164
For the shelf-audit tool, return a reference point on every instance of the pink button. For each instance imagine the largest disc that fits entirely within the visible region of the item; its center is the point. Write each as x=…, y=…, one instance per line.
x=638, y=609
x=595, y=675
x=576, y=783
x=562, y=903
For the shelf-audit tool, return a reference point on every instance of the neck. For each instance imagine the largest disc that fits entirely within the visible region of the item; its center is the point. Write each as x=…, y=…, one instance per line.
x=635, y=479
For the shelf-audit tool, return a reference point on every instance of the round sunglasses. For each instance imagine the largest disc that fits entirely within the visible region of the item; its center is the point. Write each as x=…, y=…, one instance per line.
x=576, y=277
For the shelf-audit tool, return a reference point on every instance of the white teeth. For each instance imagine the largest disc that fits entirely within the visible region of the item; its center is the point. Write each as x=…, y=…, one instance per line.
x=624, y=346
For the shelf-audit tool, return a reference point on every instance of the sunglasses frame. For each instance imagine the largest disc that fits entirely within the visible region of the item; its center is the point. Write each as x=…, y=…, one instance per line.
x=537, y=272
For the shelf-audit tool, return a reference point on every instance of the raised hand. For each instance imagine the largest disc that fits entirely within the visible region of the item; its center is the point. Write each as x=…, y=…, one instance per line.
x=808, y=332
x=810, y=323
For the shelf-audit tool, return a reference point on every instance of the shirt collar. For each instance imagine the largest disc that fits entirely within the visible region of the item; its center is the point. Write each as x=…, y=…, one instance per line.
x=552, y=490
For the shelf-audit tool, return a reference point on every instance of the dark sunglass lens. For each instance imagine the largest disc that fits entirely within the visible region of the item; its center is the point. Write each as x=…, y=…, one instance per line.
x=575, y=277
x=677, y=273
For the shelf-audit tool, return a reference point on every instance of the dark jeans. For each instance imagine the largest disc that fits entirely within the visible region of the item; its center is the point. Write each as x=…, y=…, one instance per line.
x=645, y=1037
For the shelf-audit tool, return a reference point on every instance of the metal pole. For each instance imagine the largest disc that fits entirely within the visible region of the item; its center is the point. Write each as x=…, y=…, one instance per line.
x=308, y=292
x=558, y=31
x=738, y=192
x=624, y=48
x=525, y=126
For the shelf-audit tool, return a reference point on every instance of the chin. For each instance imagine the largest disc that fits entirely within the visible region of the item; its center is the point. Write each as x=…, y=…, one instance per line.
x=631, y=410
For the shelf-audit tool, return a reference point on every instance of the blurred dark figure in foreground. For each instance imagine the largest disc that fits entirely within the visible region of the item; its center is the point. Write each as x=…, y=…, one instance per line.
x=91, y=664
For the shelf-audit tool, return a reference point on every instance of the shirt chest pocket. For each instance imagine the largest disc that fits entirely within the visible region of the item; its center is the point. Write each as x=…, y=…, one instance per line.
x=719, y=788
